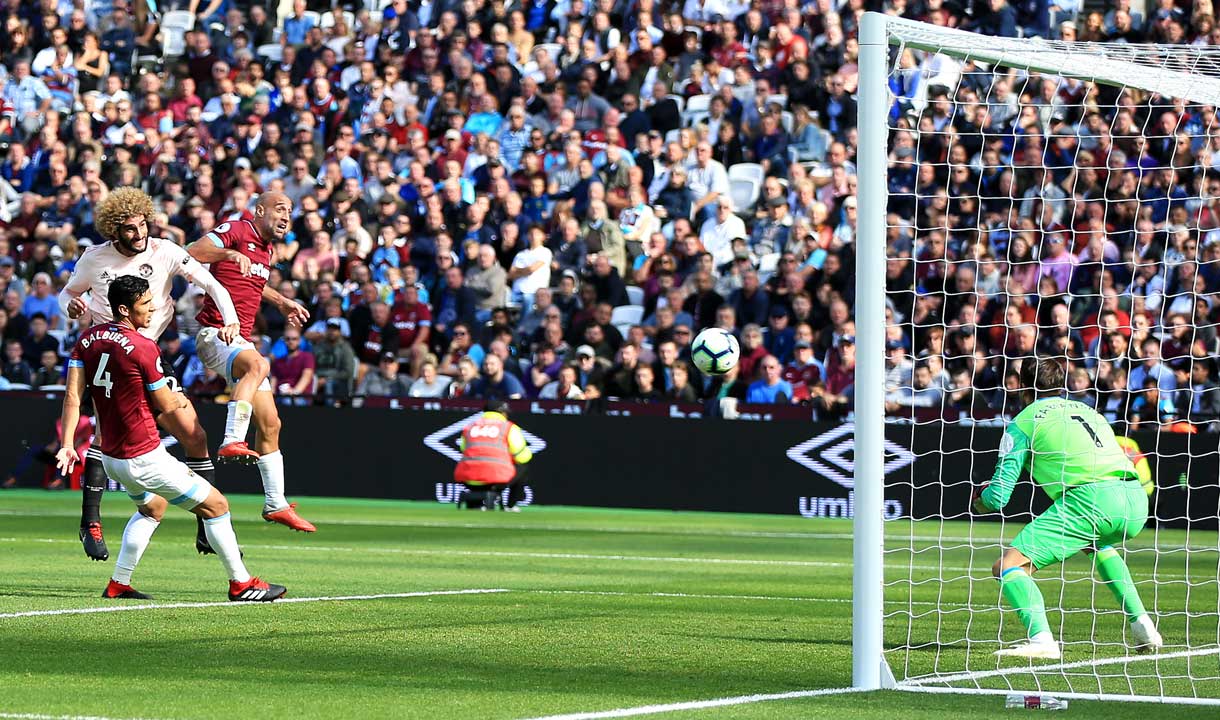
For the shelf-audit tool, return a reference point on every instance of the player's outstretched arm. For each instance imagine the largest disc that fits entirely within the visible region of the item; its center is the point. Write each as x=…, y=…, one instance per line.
x=67, y=458
x=293, y=310
x=71, y=304
x=207, y=250
x=193, y=271
x=1014, y=452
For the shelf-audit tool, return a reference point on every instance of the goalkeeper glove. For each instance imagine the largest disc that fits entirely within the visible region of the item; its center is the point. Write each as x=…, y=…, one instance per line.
x=976, y=500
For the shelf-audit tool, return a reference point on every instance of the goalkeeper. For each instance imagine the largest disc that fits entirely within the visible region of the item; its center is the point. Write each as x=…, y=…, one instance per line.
x=1071, y=452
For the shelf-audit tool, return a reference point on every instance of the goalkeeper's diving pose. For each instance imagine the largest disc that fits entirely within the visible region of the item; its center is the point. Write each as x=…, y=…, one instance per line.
x=1098, y=503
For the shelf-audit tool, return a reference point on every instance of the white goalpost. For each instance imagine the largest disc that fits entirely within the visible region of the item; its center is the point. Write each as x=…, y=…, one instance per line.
x=982, y=163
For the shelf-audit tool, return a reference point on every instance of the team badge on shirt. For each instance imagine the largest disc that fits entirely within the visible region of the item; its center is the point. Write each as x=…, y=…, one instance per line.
x=146, y=271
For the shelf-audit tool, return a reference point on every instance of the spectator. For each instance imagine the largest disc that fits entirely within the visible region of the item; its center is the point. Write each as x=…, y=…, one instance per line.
x=293, y=374
x=495, y=383
x=16, y=370
x=430, y=384
x=461, y=346
x=49, y=372
x=487, y=282
x=412, y=321
x=41, y=301
x=385, y=381
x=334, y=361
x=564, y=387
x=644, y=385
x=771, y=388
x=38, y=341
x=531, y=268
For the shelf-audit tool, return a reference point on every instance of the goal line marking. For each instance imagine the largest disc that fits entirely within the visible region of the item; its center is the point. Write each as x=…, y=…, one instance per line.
x=40, y=716
x=1056, y=667
x=283, y=601
x=698, y=704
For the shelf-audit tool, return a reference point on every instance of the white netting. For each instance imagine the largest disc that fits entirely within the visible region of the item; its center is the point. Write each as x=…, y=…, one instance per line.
x=1053, y=200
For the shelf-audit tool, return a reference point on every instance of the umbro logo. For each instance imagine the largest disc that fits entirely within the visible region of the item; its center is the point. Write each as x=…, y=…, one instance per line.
x=251, y=247
x=827, y=455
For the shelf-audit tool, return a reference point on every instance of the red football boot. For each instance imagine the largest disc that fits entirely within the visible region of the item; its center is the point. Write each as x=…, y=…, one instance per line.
x=238, y=452
x=288, y=516
x=119, y=591
x=255, y=590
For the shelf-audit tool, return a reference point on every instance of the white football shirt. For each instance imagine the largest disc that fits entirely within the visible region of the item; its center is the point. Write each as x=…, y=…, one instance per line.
x=158, y=264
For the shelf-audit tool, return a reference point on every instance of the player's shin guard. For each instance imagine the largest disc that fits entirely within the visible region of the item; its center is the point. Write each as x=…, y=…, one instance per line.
x=204, y=468
x=93, y=487
x=1114, y=573
x=139, y=532
x=224, y=541
x=271, y=468
x=1022, y=593
x=237, y=422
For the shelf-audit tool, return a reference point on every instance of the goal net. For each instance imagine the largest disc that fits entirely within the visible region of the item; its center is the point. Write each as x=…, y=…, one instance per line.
x=1053, y=200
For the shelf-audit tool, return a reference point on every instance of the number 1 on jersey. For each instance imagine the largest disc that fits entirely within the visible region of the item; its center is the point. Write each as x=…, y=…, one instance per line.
x=1089, y=429
x=101, y=378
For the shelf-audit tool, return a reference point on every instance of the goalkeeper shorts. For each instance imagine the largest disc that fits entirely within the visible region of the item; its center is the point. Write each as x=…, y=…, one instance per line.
x=1086, y=516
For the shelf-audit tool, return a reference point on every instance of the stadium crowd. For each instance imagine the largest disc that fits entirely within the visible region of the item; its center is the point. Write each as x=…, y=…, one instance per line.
x=549, y=198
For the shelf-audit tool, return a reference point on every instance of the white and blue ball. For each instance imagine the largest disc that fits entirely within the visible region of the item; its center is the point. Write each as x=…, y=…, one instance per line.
x=715, y=351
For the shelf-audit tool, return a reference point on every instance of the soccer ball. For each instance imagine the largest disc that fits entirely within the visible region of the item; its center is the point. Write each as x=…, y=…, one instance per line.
x=715, y=351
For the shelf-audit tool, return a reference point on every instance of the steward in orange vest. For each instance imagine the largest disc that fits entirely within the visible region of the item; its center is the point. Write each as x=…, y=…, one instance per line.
x=492, y=448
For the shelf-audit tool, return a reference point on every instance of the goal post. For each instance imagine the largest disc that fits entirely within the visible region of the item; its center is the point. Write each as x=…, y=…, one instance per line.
x=927, y=615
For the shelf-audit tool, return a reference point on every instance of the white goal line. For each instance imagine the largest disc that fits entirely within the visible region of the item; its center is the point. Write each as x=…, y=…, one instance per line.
x=1056, y=667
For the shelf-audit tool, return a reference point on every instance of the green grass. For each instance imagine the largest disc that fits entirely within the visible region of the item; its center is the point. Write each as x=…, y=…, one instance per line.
x=604, y=609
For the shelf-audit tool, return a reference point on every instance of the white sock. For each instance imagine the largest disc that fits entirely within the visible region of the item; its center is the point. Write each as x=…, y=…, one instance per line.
x=136, y=536
x=224, y=541
x=237, y=422
x=271, y=467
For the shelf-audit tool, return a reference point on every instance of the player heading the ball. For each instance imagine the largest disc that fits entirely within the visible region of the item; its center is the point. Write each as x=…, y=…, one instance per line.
x=1099, y=502
x=121, y=369
x=241, y=254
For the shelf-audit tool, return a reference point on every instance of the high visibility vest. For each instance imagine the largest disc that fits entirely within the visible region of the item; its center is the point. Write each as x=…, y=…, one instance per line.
x=486, y=459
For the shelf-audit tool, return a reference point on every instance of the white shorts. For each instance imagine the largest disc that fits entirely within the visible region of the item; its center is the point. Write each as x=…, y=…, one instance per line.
x=157, y=473
x=219, y=355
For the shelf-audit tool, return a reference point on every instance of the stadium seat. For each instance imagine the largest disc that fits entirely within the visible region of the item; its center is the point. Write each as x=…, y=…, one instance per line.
x=747, y=171
x=692, y=119
x=174, y=26
x=681, y=101
x=786, y=119
x=768, y=263
x=272, y=51
x=627, y=315
x=19, y=386
x=636, y=295
x=53, y=388
x=328, y=19
x=697, y=104
x=745, y=194
x=315, y=16
x=781, y=100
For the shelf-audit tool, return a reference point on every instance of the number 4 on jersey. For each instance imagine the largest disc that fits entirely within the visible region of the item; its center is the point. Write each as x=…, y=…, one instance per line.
x=101, y=378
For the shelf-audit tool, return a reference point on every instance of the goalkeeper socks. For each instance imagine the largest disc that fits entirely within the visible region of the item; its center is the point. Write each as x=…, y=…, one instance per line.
x=237, y=422
x=224, y=541
x=1022, y=593
x=271, y=467
x=139, y=532
x=1114, y=573
x=92, y=487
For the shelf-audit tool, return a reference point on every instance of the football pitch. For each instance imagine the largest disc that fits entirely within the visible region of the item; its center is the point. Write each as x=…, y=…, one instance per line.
x=416, y=610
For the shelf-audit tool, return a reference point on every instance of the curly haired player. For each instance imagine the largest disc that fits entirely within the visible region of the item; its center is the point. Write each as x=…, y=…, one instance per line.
x=122, y=218
x=1071, y=453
